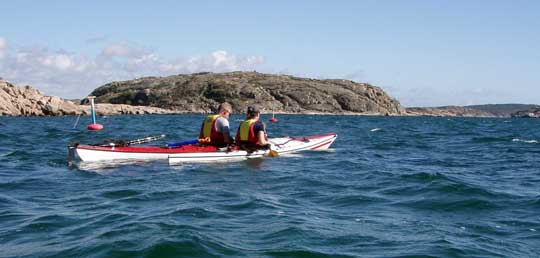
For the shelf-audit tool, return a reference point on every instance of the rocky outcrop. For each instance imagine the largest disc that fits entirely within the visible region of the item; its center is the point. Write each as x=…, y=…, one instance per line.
x=28, y=101
x=202, y=92
x=530, y=113
x=504, y=110
x=122, y=109
x=488, y=110
x=450, y=111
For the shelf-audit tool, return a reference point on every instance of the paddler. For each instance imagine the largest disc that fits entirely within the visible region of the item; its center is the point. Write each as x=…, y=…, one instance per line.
x=215, y=129
x=251, y=134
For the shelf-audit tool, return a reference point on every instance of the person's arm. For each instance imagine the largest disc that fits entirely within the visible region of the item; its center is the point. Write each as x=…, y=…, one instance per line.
x=261, y=133
x=223, y=125
x=262, y=138
x=201, y=132
x=227, y=138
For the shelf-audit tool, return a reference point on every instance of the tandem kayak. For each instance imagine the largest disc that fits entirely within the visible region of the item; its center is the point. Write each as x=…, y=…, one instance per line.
x=197, y=153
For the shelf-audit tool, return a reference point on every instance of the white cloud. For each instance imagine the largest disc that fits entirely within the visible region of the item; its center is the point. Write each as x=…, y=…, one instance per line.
x=74, y=75
x=58, y=61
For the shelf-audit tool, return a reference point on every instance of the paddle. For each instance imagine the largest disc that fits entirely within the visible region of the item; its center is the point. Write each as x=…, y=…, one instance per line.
x=272, y=152
x=129, y=142
x=146, y=139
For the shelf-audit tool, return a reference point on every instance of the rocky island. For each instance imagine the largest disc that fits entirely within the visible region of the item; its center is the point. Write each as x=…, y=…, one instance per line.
x=451, y=111
x=489, y=110
x=201, y=92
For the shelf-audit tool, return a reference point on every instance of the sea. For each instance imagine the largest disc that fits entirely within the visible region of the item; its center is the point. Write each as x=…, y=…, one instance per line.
x=388, y=187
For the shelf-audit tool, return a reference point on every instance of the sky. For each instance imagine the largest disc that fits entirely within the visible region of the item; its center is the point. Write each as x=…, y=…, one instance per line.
x=423, y=53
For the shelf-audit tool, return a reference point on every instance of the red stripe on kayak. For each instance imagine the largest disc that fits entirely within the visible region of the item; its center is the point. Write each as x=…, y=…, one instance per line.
x=326, y=143
x=314, y=137
x=150, y=149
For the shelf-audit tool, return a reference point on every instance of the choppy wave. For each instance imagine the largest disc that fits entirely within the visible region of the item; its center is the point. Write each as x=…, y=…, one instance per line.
x=420, y=187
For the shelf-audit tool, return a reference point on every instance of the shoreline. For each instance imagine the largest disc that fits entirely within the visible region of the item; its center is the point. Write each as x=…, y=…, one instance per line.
x=175, y=112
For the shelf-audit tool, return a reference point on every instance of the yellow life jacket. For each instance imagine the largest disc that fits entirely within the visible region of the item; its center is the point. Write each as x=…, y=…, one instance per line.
x=209, y=131
x=245, y=131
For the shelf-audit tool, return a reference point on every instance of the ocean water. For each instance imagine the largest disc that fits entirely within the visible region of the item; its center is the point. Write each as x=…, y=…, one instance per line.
x=389, y=187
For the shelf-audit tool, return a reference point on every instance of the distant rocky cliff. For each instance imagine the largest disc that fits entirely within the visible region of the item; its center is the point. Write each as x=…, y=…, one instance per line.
x=281, y=93
x=451, y=111
x=489, y=110
x=529, y=113
x=28, y=101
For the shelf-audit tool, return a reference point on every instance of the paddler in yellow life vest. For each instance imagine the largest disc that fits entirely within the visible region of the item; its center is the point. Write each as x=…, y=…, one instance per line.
x=215, y=128
x=251, y=134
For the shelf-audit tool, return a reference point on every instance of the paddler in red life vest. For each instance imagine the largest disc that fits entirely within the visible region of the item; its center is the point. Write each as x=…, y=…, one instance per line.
x=252, y=132
x=215, y=128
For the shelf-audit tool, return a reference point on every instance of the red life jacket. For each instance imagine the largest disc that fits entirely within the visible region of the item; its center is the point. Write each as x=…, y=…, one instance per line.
x=209, y=131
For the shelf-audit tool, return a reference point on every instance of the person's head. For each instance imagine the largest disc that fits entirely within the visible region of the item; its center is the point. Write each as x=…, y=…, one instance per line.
x=252, y=112
x=225, y=109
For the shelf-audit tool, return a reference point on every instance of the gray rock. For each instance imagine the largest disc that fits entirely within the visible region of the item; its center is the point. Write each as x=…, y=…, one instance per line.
x=27, y=101
x=529, y=113
x=202, y=92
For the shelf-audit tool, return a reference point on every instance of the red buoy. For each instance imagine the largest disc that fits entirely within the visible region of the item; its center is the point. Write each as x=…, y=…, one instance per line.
x=273, y=119
x=95, y=127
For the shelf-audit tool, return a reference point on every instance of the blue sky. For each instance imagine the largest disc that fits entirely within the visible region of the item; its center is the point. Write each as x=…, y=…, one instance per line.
x=424, y=53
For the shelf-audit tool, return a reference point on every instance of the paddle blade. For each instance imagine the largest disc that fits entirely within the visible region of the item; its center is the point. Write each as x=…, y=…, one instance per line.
x=273, y=153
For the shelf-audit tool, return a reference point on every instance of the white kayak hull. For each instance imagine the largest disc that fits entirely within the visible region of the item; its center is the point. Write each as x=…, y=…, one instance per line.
x=89, y=155
x=281, y=145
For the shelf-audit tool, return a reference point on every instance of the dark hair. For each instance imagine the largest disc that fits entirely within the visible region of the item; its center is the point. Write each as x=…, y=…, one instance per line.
x=252, y=111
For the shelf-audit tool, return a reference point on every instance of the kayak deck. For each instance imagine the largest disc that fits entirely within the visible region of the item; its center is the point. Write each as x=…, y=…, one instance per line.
x=281, y=146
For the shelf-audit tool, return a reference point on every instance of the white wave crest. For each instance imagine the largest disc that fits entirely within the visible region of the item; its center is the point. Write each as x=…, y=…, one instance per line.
x=375, y=129
x=525, y=141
